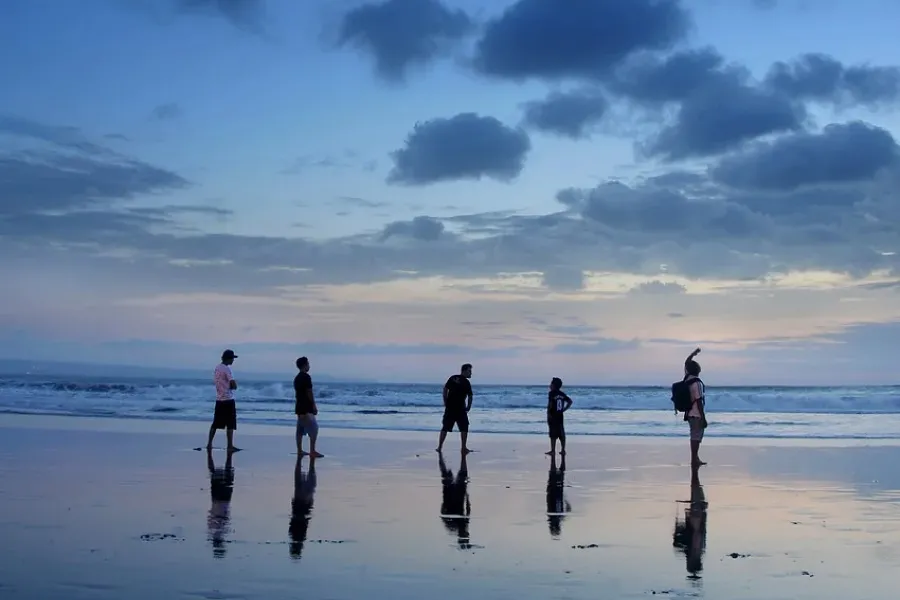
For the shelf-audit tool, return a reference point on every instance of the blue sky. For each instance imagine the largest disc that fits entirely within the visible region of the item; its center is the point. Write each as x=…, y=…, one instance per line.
x=584, y=189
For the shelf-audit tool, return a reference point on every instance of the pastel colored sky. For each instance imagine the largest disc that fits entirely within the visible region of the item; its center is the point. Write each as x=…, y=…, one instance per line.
x=394, y=187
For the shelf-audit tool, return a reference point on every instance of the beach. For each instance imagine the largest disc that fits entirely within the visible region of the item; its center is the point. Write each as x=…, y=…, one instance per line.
x=109, y=508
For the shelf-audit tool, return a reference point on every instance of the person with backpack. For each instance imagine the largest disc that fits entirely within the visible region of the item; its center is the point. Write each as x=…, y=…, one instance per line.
x=689, y=397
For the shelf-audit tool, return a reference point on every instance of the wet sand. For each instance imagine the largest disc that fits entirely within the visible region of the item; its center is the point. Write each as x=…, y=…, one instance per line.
x=126, y=509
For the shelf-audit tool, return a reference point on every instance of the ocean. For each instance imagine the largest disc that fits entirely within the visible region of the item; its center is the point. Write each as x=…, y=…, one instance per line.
x=756, y=412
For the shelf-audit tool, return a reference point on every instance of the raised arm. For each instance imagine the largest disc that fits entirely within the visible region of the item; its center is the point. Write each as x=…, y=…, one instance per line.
x=691, y=356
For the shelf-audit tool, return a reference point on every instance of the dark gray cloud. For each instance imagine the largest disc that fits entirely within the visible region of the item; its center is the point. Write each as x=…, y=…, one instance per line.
x=67, y=137
x=467, y=146
x=820, y=77
x=545, y=39
x=650, y=78
x=400, y=34
x=841, y=153
x=568, y=114
x=246, y=15
x=721, y=116
x=424, y=229
x=166, y=112
x=31, y=182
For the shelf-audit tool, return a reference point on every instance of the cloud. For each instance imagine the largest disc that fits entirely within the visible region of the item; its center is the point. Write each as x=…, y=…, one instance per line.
x=841, y=153
x=166, y=112
x=563, y=279
x=822, y=78
x=543, y=39
x=657, y=287
x=467, y=146
x=70, y=138
x=721, y=116
x=400, y=34
x=652, y=79
x=423, y=229
x=569, y=114
x=597, y=346
x=246, y=15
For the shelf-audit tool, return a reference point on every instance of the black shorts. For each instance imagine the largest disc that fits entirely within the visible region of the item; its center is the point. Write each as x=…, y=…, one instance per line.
x=225, y=416
x=556, y=427
x=456, y=416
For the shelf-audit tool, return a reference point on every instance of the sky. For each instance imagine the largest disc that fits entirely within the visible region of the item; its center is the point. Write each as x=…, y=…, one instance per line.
x=582, y=189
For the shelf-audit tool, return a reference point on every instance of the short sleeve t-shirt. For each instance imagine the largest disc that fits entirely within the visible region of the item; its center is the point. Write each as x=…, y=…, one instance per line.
x=458, y=390
x=556, y=402
x=302, y=385
x=222, y=378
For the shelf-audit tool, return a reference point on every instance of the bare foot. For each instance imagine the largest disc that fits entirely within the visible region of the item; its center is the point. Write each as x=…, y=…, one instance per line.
x=302, y=453
x=438, y=450
x=465, y=450
x=208, y=447
x=549, y=453
x=562, y=452
x=699, y=462
x=234, y=449
x=317, y=455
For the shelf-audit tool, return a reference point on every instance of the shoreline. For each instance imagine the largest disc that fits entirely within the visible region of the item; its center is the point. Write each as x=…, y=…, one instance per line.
x=200, y=427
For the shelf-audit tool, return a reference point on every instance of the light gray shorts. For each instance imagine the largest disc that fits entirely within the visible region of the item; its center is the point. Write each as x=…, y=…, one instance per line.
x=697, y=429
x=307, y=425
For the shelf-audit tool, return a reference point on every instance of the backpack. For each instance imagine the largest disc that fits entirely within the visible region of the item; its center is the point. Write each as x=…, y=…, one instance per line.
x=681, y=394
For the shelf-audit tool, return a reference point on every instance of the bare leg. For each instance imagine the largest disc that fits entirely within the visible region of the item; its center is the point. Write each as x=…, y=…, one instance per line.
x=695, y=450
x=562, y=443
x=552, y=447
x=463, y=438
x=441, y=439
x=229, y=433
x=312, y=444
x=298, y=434
x=212, y=434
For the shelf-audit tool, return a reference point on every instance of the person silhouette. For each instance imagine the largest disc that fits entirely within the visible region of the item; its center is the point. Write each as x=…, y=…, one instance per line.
x=557, y=505
x=301, y=505
x=689, y=536
x=456, y=508
x=221, y=487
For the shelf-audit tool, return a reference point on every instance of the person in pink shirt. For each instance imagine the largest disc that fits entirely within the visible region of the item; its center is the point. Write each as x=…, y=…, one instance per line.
x=225, y=416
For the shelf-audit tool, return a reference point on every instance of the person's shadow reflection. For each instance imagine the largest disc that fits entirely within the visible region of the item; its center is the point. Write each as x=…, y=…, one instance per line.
x=221, y=486
x=301, y=505
x=455, y=505
x=689, y=536
x=557, y=505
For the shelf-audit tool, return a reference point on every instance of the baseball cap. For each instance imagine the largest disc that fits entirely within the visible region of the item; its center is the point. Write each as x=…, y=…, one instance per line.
x=229, y=354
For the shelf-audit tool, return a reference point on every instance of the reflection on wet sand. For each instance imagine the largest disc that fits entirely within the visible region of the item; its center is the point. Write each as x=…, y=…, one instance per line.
x=557, y=505
x=689, y=536
x=455, y=506
x=221, y=486
x=301, y=505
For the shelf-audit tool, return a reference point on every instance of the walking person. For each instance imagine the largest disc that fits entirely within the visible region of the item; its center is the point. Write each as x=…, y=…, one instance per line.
x=305, y=408
x=557, y=404
x=225, y=415
x=457, y=404
x=696, y=414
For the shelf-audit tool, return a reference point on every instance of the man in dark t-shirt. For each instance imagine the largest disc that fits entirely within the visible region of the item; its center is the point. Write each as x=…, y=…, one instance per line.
x=557, y=404
x=457, y=404
x=305, y=408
